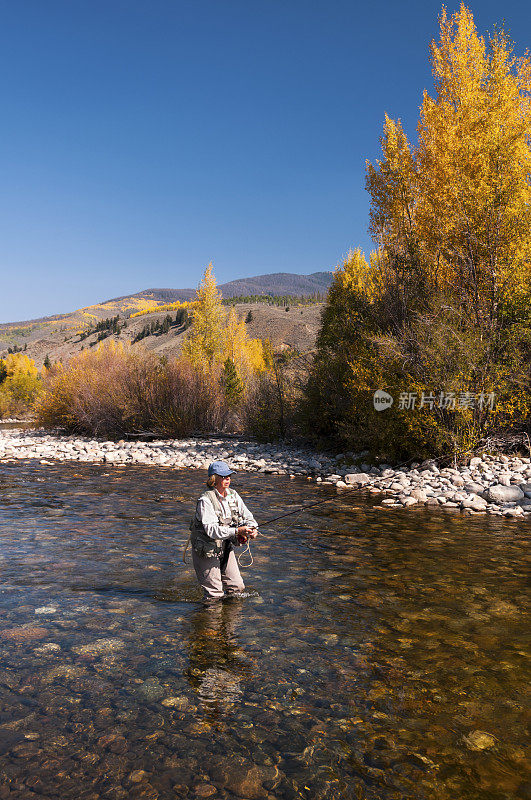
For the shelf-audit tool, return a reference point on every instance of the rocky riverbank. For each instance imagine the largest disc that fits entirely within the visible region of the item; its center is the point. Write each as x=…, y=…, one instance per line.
x=494, y=484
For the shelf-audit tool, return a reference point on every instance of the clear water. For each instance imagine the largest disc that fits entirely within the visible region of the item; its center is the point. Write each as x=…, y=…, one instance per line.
x=373, y=647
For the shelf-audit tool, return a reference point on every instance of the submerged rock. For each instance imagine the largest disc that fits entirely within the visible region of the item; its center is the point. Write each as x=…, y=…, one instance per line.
x=99, y=647
x=479, y=740
x=23, y=633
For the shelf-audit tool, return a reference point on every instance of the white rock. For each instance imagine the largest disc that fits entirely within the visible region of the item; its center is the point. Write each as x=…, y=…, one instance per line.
x=474, y=502
x=504, y=478
x=474, y=488
x=504, y=494
x=357, y=478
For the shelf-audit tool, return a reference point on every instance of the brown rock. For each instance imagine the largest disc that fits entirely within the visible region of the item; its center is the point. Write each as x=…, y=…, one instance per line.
x=22, y=634
x=138, y=775
x=204, y=790
x=243, y=778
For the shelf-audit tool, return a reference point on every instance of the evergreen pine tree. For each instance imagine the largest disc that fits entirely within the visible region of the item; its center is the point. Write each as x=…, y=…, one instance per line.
x=232, y=383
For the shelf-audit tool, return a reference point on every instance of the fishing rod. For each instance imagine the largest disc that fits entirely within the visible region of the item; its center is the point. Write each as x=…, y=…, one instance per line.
x=353, y=488
x=328, y=500
x=321, y=502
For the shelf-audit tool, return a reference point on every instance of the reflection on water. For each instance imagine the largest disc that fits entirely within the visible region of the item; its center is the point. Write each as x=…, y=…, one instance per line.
x=380, y=654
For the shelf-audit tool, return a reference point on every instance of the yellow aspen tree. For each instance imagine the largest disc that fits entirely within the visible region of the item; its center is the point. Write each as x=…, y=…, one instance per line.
x=392, y=185
x=245, y=353
x=22, y=381
x=217, y=335
x=204, y=343
x=474, y=163
x=394, y=188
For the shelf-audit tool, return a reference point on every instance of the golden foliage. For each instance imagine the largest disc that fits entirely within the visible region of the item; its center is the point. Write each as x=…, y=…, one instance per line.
x=445, y=304
x=474, y=163
x=455, y=212
x=217, y=334
x=20, y=384
x=163, y=307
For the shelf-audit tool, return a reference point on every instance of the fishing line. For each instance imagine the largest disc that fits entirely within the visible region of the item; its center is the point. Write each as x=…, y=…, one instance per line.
x=320, y=503
x=352, y=489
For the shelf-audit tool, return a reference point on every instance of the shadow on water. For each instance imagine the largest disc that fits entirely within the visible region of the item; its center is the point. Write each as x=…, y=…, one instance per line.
x=379, y=654
x=152, y=595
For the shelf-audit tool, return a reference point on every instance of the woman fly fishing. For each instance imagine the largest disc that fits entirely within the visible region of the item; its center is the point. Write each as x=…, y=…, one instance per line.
x=221, y=521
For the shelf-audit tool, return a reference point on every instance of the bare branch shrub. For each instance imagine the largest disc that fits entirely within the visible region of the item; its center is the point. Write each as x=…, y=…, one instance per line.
x=114, y=391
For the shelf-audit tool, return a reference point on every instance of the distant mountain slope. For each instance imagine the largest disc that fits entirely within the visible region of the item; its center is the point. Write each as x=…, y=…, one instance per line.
x=275, y=283
x=59, y=336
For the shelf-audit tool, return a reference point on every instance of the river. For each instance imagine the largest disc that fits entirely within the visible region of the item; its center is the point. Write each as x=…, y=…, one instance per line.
x=379, y=654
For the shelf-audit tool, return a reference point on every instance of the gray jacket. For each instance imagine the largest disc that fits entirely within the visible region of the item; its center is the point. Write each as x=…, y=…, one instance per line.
x=216, y=520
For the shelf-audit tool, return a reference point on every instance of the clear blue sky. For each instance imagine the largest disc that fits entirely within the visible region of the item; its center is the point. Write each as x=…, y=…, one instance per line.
x=140, y=140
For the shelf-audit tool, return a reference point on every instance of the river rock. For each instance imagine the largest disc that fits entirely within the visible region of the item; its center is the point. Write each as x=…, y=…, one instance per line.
x=99, y=647
x=176, y=702
x=357, y=478
x=243, y=779
x=504, y=478
x=504, y=494
x=151, y=690
x=479, y=740
x=46, y=610
x=23, y=633
x=517, y=511
x=475, y=502
x=138, y=775
x=474, y=488
x=419, y=494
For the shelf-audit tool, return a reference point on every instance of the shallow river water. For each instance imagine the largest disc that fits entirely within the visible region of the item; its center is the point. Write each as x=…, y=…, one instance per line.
x=380, y=653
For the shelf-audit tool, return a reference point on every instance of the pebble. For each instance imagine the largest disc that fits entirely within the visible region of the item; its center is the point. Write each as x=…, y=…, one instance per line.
x=499, y=485
x=138, y=775
x=99, y=647
x=479, y=740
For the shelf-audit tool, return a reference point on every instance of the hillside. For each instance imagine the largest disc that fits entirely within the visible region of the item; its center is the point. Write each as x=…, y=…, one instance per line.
x=59, y=337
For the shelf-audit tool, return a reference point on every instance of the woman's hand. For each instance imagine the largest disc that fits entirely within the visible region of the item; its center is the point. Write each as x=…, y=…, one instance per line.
x=245, y=532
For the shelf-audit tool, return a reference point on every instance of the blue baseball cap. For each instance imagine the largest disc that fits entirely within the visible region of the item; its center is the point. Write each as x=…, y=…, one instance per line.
x=220, y=468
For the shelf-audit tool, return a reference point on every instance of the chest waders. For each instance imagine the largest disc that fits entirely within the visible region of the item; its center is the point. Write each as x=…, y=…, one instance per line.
x=203, y=544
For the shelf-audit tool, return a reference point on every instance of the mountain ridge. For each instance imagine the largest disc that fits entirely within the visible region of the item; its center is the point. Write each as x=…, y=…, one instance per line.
x=273, y=283
x=60, y=336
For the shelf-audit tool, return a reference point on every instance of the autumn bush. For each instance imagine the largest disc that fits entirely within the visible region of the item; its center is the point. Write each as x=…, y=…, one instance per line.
x=20, y=385
x=271, y=408
x=442, y=308
x=113, y=391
